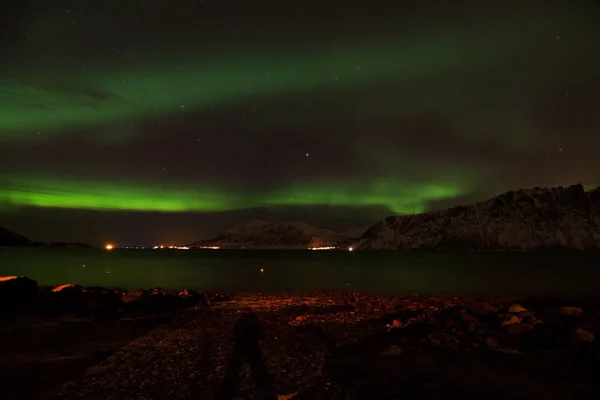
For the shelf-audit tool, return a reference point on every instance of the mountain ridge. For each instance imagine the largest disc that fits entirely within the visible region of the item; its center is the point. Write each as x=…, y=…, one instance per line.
x=275, y=234
x=517, y=220
x=9, y=238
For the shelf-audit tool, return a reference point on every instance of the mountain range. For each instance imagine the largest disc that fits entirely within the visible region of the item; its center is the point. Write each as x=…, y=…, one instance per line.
x=522, y=220
x=278, y=235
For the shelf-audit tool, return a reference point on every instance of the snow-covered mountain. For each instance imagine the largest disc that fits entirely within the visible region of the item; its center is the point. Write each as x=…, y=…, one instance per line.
x=273, y=235
x=539, y=218
x=8, y=238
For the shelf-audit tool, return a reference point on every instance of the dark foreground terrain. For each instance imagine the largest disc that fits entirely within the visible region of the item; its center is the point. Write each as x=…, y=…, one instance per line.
x=155, y=345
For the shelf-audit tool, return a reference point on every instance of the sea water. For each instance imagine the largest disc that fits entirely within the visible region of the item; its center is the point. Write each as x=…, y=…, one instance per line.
x=291, y=271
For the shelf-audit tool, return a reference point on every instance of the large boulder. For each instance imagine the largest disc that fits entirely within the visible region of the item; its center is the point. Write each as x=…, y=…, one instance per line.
x=70, y=298
x=17, y=293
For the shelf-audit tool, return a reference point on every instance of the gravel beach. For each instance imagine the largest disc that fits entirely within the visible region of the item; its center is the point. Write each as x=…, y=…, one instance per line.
x=310, y=346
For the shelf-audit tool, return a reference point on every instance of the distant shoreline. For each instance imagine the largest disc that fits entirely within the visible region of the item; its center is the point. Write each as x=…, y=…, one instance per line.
x=301, y=248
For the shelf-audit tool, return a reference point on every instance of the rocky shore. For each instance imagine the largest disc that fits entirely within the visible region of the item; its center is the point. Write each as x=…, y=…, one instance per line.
x=70, y=342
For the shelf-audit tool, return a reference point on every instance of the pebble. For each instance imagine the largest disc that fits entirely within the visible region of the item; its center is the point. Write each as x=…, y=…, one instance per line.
x=511, y=320
x=570, y=311
x=519, y=329
x=516, y=308
x=581, y=335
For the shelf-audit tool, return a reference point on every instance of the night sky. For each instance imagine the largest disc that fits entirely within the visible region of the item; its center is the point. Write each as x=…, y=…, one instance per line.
x=167, y=121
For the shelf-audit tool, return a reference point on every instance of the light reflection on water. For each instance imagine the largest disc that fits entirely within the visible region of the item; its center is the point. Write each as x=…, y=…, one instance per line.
x=390, y=272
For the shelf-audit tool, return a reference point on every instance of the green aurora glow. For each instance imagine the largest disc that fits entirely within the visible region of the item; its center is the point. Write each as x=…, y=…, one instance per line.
x=400, y=197
x=405, y=102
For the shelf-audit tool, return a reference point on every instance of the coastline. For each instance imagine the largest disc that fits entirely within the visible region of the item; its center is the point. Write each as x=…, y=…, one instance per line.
x=319, y=345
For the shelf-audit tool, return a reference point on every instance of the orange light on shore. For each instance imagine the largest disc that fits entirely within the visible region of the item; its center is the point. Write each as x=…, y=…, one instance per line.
x=109, y=247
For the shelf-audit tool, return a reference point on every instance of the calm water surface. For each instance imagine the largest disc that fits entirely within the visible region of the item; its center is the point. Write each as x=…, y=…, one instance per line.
x=390, y=272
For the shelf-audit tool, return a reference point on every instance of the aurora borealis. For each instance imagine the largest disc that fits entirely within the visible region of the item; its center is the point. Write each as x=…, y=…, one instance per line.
x=169, y=121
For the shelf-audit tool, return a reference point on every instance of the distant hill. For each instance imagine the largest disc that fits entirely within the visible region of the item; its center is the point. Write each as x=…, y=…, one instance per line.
x=61, y=244
x=8, y=238
x=534, y=219
x=276, y=235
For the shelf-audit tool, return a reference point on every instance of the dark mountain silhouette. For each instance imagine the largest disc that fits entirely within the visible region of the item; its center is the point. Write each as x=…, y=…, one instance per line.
x=273, y=235
x=8, y=238
x=534, y=219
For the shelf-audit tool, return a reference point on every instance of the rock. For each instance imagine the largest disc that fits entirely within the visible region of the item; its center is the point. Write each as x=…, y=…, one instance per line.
x=129, y=298
x=184, y=293
x=483, y=309
x=513, y=319
x=17, y=292
x=492, y=343
x=516, y=308
x=66, y=287
x=570, y=312
x=393, y=350
x=526, y=314
x=535, y=321
x=300, y=317
x=581, y=335
x=466, y=317
x=396, y=324
x=519, y=329
x=287, y=396
x=98, y=302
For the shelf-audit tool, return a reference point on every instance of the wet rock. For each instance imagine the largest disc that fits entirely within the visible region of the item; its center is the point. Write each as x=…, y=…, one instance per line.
x=581, y=335
x=70, y=298
x=101, y=302
x=17, y=292
x=570, y=312
x=67, y=287
x=516, y=308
